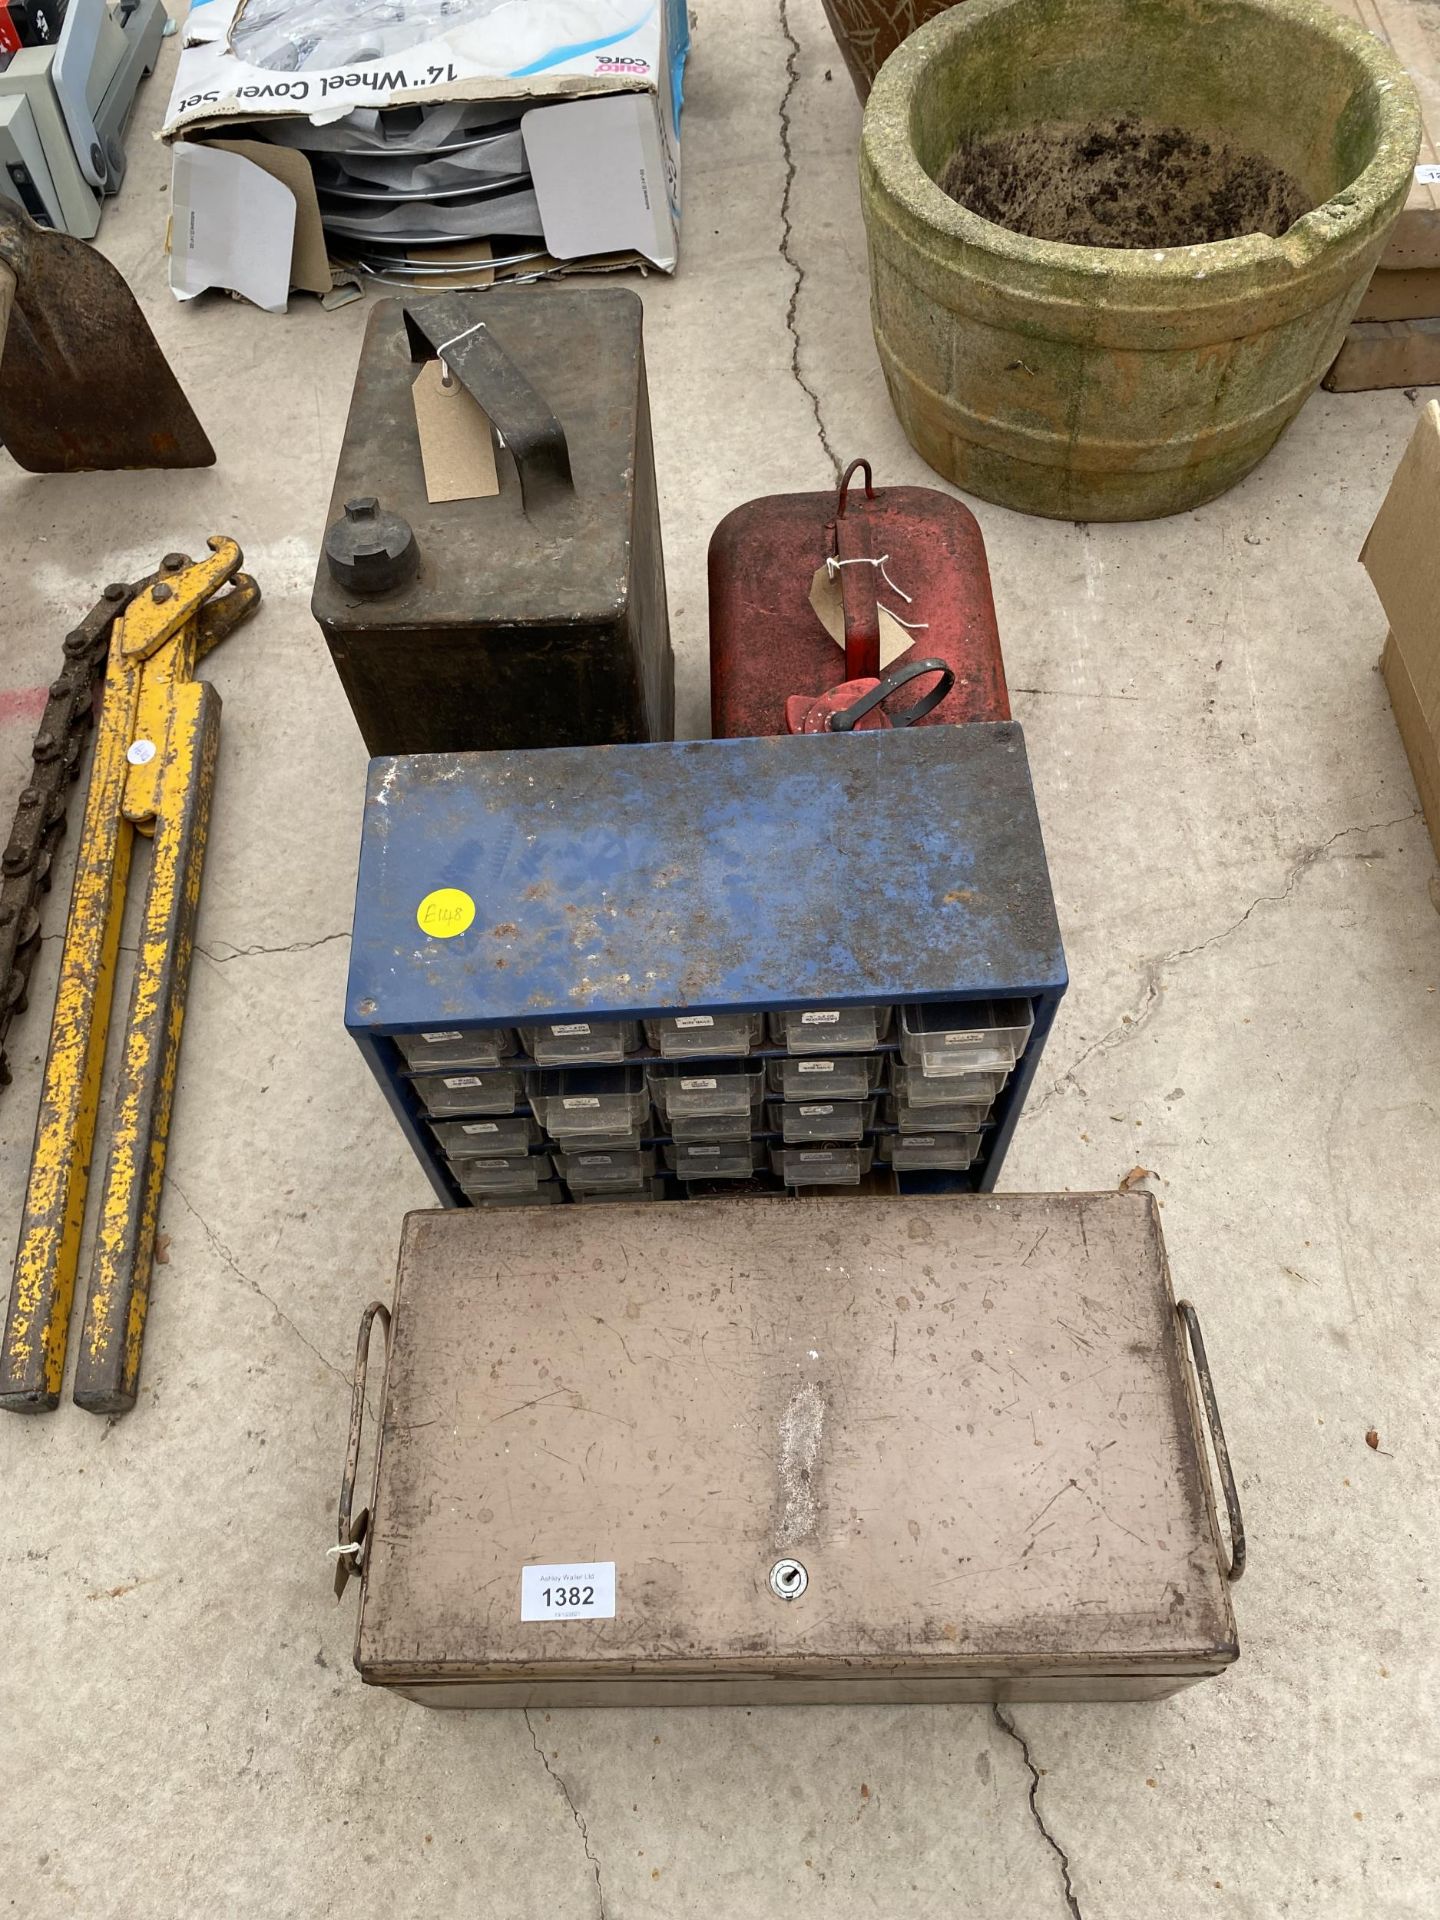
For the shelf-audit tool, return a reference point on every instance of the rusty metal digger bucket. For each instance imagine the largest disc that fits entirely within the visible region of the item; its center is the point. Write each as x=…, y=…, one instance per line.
x=83, y=385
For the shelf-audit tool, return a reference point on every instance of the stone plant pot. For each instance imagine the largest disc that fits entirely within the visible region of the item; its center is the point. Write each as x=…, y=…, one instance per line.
x=1117, y=382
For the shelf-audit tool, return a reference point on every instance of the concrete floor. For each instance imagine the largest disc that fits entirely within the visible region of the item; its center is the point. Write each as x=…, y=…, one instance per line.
x=1244, y=887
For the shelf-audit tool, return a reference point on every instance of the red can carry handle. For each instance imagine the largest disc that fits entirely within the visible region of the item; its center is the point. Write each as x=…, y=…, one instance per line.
x=845, y=479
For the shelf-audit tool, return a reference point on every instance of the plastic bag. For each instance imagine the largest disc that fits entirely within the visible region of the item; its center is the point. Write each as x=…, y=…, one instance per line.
x=289, y=36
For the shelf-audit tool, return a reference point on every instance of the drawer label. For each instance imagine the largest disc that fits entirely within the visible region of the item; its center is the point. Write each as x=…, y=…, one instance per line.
x=816, y=1110
x=575, y=1026
x=581, y=1590
x=963, y=1039
x=816, y=1066
x=697, y=1086
x=575, y=1102
x=480, y=1126
x=921, y=1140
x=820, y=1019
x=696, y=1151
x=594, y=1160
x=822, y=1153
x=463, y=1080
x=694, y=1020
x=453, y=1034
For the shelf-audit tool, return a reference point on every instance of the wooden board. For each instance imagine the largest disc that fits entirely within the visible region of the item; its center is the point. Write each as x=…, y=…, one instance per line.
x=1406, y=27
x=969, y=1418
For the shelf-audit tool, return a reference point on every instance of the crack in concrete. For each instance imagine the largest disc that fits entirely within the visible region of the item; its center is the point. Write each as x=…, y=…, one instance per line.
x=1153, y=968
x=1007, y=1725
x=253, y=1285
x=295, y=946
x=787, y=234
x=575, y=1814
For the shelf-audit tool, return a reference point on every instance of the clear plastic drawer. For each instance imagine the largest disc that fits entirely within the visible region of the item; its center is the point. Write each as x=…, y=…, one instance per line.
x=578, y=1043
x=830, y=1029
x=930, y=1152
x=547, y=1194
x=849, y=1077
x=510, y=1173
x=682, y=1094
x=821, y=1166
x=472, y=1047
x=474, y=1093
x=920, y=1090
x=716, y=1126
x=713, y=1159
x=589, y=1100
x=588, y=1169
x=617, y=1196
x=678, y=1035
x=482, y=1139
x=945, y=1037
x=835, y=1120
x=945, y=1116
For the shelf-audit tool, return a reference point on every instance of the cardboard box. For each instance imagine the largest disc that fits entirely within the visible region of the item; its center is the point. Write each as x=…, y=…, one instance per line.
x=600, y=119
x=1402, y=557
x=1387, y=353
x=1407, y=28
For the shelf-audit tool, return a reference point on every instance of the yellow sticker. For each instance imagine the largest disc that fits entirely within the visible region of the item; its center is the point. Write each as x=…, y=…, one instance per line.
x=445, y=912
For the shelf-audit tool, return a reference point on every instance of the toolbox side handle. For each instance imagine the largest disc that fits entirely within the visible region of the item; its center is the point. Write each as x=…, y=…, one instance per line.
x=352, y=1535
x=1191, y=1322
x=443, y=329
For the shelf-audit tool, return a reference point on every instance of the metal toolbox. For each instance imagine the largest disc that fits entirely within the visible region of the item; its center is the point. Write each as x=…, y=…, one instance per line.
x=532, y=618
x=849, y=1450
x=585, y=896
x=767, y=642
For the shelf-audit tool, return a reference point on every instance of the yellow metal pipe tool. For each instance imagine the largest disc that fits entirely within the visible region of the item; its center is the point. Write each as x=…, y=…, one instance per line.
x=153, y=772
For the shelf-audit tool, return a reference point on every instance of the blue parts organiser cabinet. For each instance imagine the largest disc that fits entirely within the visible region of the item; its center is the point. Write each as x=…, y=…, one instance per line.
x=710, y=966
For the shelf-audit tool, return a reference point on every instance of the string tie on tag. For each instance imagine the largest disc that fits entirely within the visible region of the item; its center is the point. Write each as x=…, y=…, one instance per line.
x=833, y=566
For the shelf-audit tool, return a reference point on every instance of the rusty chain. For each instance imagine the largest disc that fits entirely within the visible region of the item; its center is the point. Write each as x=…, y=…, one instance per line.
x=57, y=753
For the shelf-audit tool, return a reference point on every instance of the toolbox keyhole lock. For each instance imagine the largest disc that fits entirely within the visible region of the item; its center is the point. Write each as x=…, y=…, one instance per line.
x=788, y=1579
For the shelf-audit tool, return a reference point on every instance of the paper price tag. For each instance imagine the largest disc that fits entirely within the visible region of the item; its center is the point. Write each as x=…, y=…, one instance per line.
x=828, y=601
x=456, y=448
x=568, y=1591
x=1428, y=174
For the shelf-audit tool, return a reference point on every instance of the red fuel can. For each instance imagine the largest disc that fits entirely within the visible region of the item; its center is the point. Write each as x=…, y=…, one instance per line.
x=889, y=564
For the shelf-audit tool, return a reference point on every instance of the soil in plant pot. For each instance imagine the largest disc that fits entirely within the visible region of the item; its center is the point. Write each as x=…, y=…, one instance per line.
x=1122, y=182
